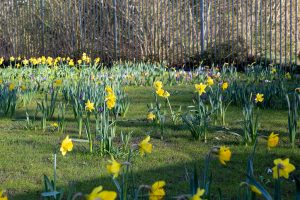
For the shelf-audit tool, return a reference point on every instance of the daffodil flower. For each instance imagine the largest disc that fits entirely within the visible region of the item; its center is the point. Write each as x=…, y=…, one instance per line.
x=273, y=140
x=89, y=106
x=145, y=146
x=224, y=154
x=209, y=81
x=66, y=145
x=200, y=88
x=224, y=86
x=158, y=85
x=259, y=98
x=99, y=193
x=3, y=197
x=198, y=195
x=157, y=191
x=254, y=189
x=282, y=168
x=151, y=116
x=113, y=167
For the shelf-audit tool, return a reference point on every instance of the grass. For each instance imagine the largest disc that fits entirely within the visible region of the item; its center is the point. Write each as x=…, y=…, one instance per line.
x=25, y=155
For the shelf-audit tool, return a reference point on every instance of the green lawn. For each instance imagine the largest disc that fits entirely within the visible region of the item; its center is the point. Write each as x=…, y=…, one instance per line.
x=26, y=155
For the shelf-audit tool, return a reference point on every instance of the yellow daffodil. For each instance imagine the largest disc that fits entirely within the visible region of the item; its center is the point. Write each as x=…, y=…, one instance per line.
x=158, y=85
x=2, y=196
x=79, y=62
x=284, y=167
x=1, y=60
x=54, y=125
x=273, y=70
x=273, y=140
x=11, y=87
x=108, y=89
x=71, y=63
x=113, y=167
x=145, y=146
x=12, y=59
x=259, y=97
x=224, y=154
x=288, y=75
x=200, y=88
x=97, y=60
x=57, y=83
x=111, y=101
x=49, y=61
x=23, y=87
x=254, y=189
x=66, y=145
x=84, y=57
x=89, y=106
x=157, y=191
x=98, y=194
x=198, y=195
x=224, y=86
x=25, y=62
x=160, y=92
x=166, y=94
x=209, y=81
x=150, y=116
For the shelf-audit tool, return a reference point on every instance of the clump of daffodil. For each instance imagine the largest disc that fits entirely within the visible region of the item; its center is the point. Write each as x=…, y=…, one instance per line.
x=224, y=86
x=282, y=168
x=12, y=59
x=110, y=98
x=113, y=167
x=198, y=195
x=145, y=146
x=89, y=106
x=2, y=196
x=157, y=191
x=259, y=98
x=150, y=116
x=209, y=81
x=224, y=154
x=158, y=85
x=99, y=193
x=273, y=140
x=66, y=145
x=200, y=88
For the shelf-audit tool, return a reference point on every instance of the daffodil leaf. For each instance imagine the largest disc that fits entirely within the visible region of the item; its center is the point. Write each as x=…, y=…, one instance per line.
x=50, y=194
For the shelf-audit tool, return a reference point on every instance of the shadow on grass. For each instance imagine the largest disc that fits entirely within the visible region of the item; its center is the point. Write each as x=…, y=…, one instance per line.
x=177, y=176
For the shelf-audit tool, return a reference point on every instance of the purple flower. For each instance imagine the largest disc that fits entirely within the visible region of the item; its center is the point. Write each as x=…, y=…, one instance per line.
x=100, y=110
